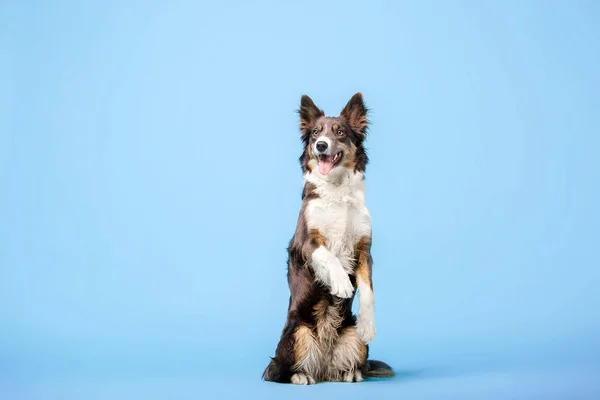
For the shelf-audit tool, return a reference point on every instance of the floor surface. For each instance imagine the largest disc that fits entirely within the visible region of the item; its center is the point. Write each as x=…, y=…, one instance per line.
x=566, y=381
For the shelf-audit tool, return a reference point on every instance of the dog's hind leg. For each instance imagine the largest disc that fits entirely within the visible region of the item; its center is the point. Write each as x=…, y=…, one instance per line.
x=297, y=358
x=348, y=358
x=280, y=368
x=307, y=357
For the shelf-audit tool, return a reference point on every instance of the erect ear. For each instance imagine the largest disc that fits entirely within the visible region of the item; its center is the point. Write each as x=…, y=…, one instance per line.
x=309, y=113
x=355, y=113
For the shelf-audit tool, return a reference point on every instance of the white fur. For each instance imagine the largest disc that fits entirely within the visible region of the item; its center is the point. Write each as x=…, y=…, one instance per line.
x=365, y=324
x=300, y=378
x=310, y=363
x=348, y=352
x=340, y=213
x=352, y=376
x=329, y=270
x=322, y=139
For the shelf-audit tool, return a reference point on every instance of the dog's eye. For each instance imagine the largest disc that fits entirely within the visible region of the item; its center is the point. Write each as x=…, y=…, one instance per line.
x=315, y=132
x=340, y=132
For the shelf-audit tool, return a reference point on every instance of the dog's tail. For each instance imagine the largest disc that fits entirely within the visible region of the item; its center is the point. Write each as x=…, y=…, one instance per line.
x=378, y=369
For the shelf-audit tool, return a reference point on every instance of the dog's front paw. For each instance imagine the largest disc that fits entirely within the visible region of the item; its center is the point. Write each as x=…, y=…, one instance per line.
x=365, y=327
x=340, y=284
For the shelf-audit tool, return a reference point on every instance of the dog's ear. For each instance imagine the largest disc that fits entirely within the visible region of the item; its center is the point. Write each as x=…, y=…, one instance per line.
x=309, y=113
x=355, y=113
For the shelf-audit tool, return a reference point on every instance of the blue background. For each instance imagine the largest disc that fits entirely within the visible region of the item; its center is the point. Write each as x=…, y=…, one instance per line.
x=150, y=185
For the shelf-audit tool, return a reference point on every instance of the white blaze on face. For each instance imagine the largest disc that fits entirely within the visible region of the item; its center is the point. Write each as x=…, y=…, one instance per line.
x=324, y=159
x=322, y=139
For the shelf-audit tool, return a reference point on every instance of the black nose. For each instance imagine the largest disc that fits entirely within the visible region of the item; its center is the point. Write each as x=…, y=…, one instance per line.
x=321, y=146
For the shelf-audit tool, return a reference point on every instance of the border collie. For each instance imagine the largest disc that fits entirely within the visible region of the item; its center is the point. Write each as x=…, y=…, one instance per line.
x=329, y=257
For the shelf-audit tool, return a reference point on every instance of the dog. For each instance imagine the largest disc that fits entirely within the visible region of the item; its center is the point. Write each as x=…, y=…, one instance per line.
x=329, y=257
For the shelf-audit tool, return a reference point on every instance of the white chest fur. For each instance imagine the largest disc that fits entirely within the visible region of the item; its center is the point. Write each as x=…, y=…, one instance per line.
x=340, y=214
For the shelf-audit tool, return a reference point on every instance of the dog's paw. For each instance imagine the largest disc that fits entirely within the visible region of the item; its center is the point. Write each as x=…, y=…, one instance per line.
x=340, y=283
x=352, y=376
x=300, y=378
x=365, y=327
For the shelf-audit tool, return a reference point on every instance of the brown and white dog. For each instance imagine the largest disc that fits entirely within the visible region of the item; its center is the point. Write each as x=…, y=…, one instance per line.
x=329, y=257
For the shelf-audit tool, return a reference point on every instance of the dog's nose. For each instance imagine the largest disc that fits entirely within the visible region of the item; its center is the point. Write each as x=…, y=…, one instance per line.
x=321, y=146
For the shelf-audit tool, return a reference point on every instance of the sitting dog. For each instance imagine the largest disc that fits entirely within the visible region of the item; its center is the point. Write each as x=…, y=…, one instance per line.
x=329, y=257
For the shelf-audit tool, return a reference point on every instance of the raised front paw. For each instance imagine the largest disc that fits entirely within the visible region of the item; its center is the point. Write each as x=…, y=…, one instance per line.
x=365, y=327
x=340, y=284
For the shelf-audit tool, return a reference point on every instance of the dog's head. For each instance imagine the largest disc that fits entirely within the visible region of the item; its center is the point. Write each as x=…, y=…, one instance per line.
x=333, y=143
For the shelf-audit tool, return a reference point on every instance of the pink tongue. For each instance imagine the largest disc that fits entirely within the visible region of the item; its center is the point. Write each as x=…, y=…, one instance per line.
x=325, y=165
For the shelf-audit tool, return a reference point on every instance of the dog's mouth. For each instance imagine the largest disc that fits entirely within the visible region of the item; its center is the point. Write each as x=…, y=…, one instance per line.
x=326, y=163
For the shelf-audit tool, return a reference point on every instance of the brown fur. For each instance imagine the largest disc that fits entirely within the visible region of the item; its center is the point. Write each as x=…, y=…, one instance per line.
x=364, y=260
x=349, y=352
x=319, y=341
x=352, y=120
x=317, y=238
